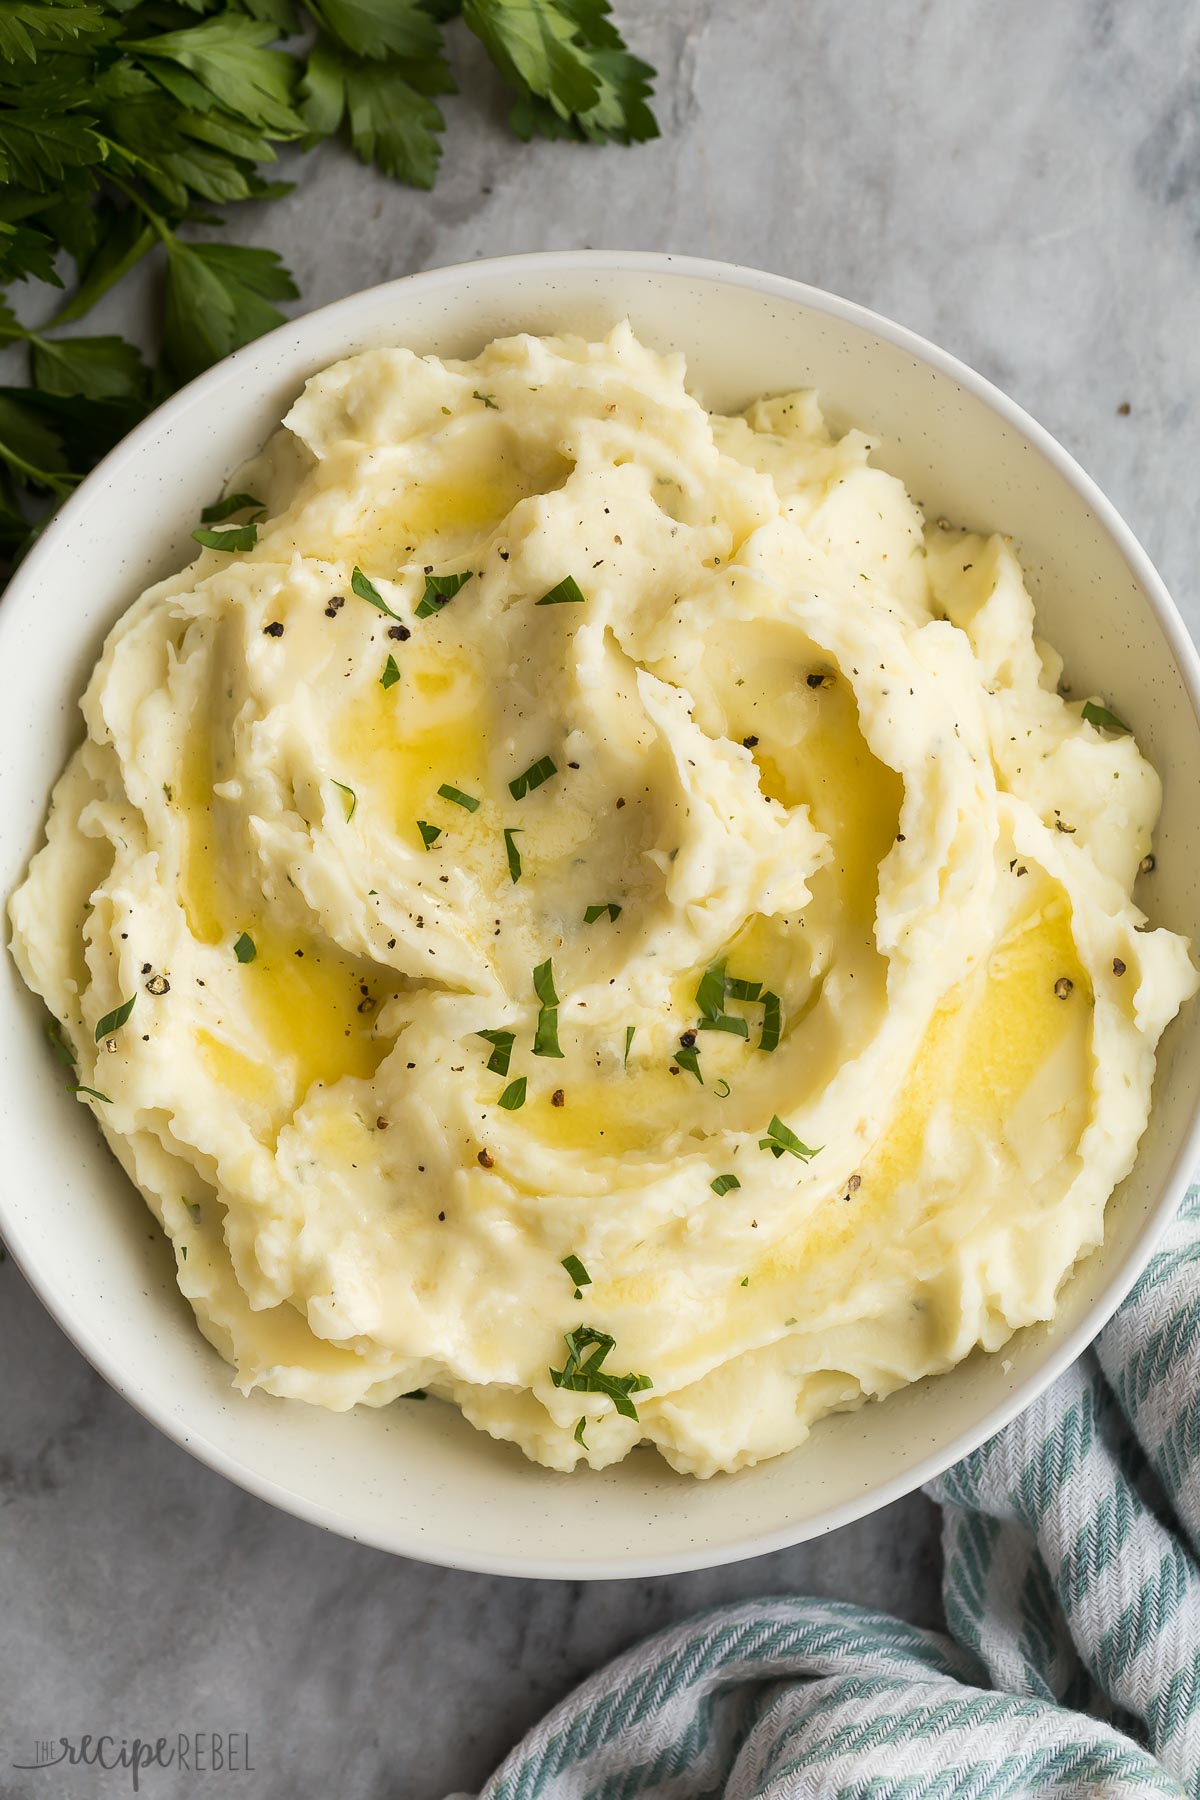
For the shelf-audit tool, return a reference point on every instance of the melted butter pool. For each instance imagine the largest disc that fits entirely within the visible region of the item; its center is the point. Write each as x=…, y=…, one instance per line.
x=309, y=1004
x=429, y=729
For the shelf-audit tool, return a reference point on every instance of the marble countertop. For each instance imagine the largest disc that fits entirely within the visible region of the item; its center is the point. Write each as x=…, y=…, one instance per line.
x=1020, y=183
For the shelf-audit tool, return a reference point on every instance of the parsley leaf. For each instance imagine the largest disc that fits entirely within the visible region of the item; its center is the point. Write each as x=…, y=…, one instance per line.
x=429, y=833
x=584, y=1374
x=710, y=995
x=567, y=590
x=222, y=61
x=439, y=589
x=379, y=28
x=513, y=1096
x=219, y=296
x=459, y=798
x=597, y=912
x=238, y=537
x=511, y=851
x=724, y=1184
x=781, y=1138
x=772, y=1023
x=743, y=990
x=391, y=123
x=245, y=949
x=726, y=1022
x=716, y=985
x=545, y=1037
x=578, y=1274
x=351, y=800
x=225, y=509
x=572, y=74
x=366, y=590
x=1103, y=719
x=532, y=777
x=391, y=674
x=502, y=1042
x=114, y=1020
x=27, y=27
x=100, y=368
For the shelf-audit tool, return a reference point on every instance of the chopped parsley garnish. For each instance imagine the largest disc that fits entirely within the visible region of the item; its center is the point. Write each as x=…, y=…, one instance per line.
x=429, y=833
x=716, y=986
x=487, y=400
x=77, y=1087
x=772, y=1021
x=366, y=590
x=564, y=591
x=580, y=1428
x=726, y=1022
x=688, y=1057
x=724, y=1184
x=238, y=537
x=710, y=995
x=245, y=949
x=439, y=589
x=629, y=1035
x=780, y=1137
x=722, y=1090
x=511, y=851
x=745, y=1281
x=1103, y=719
x=114, y=1020
x=597, y=912
x=502, y=1047
x=459, y=798
x=533, y=777
x=225, y=509
x=582, y=1374
x=578, y=1274
x=351, y=800
x=545, y=1038
x=59, y=1045
x=391, y=673
x=743, y=990
x=514, y=1094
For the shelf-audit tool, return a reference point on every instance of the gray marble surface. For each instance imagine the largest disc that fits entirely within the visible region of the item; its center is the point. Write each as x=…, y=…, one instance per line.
x=1020, y=183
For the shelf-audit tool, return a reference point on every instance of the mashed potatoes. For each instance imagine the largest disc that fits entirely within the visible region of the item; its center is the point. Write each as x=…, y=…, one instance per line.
x=599, y=913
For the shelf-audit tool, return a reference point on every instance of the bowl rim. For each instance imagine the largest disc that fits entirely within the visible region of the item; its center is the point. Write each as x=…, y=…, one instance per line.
x=1123, y=1275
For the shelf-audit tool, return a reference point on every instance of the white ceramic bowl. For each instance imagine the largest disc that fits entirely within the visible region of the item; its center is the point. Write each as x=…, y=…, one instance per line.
x=417, y=1479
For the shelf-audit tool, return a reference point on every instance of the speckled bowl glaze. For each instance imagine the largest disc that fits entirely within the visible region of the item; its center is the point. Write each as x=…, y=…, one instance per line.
x=416, y=1479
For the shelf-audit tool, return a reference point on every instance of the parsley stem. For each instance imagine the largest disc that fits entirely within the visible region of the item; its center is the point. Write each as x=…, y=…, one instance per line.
x=131, y=194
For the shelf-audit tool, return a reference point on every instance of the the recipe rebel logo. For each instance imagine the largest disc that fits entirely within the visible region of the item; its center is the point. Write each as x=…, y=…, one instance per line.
x=200, y=1753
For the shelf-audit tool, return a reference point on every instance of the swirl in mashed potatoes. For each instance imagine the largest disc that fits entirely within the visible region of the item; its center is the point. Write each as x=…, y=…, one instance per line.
x=624, y=932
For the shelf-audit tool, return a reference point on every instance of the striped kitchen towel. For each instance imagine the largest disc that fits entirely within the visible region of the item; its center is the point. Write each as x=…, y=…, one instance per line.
x=1071, y=1587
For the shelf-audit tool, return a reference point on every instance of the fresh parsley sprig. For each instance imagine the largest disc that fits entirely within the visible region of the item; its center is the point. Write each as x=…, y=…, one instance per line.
x=124, y=124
